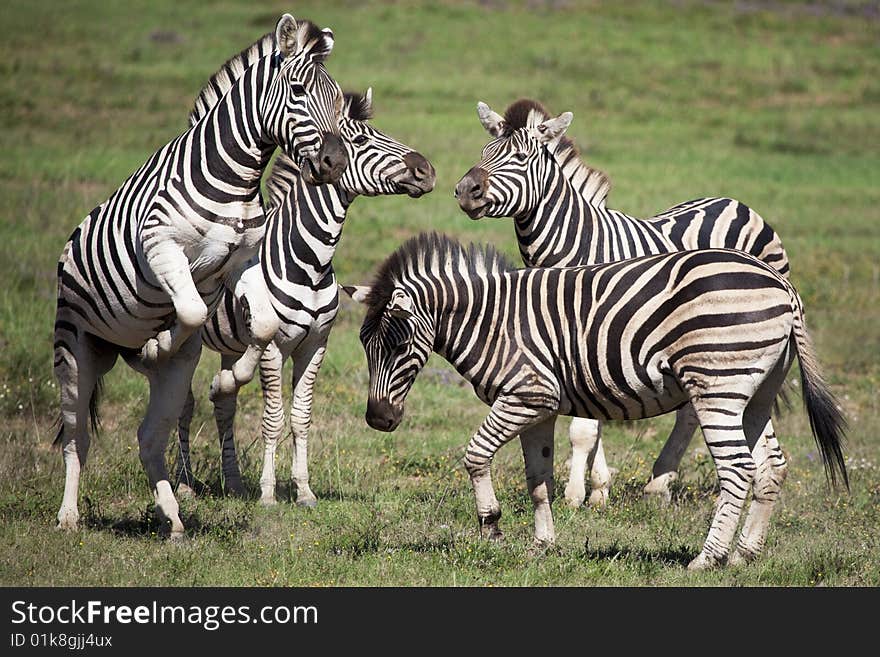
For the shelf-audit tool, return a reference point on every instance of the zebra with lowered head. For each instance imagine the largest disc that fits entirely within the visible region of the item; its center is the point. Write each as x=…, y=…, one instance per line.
x=532, y=172
x=627, y=340
x=304, y=227
x=145, y=269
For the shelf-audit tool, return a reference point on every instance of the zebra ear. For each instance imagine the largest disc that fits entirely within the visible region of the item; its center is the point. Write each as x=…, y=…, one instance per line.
x=318, y=44
x=492, y=121
x=367, y=101
x=357, y=292
x=552, y=129
x=285, y=35
x=400, y=304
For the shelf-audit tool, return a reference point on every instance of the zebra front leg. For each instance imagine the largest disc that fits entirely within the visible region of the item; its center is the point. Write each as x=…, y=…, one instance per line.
x=766, y=489
x=169, y=383
x=537, y=447
x=254, y=301
x=171, y=268
x=505, y=420
x=306, y=364
x=665, y=469
x=272, y=426
x=225, y=405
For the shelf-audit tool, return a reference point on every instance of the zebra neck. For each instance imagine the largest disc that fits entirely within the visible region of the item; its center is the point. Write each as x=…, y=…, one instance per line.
x=555, y=232
x=230, y=139
x=468, y=326
x=315, y=212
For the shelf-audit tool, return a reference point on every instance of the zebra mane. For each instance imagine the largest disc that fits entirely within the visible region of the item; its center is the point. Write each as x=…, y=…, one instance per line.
x=223, y=80
x=284, y=172
x=423, y=250
x=235, y=66
x=593, y=184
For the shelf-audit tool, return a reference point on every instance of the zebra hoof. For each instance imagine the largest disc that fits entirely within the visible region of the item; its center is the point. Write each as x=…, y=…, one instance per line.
x=307, y=502
x=234, y=489
x=223, y=384
x=268, y=501
x=741, y=557
x=599, y=498
x=575, y=496
x=68, y=522
x=658, y=487
x=184, y=492
x=703, y=561
x=177, y=537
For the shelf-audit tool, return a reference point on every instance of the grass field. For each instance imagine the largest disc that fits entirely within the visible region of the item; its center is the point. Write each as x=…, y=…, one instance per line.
x=774, y=103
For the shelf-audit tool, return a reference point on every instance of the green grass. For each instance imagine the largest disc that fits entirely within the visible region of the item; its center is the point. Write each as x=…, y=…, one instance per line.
x=776, y=106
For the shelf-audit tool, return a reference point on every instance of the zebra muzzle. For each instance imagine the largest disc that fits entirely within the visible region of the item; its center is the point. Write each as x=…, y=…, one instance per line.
x=382, y=415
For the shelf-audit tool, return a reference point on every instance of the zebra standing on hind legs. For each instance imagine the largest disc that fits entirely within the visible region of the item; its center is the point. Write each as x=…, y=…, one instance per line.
x=145, y=269
x=532, y=172
x=304, y=227
x=627, y=340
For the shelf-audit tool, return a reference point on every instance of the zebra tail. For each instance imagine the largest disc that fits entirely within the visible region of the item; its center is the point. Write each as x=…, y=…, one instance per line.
x=826, y=419
x=94, y=415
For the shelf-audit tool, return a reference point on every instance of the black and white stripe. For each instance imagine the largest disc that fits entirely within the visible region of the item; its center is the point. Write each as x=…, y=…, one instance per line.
x=141, y=274
x=303, y=231
x=627, y=340
x=532, y=172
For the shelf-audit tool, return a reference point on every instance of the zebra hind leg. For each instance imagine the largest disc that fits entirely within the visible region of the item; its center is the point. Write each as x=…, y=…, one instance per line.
x=187, y=484
x=79, y=365
x=583, y=435
x=722, y=425
x=225, y=405
x=665, y=469
x=169, y=383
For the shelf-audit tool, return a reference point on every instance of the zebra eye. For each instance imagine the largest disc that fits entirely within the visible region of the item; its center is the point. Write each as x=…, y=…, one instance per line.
x=519, y=156
x=298, y=90
x=360, y=139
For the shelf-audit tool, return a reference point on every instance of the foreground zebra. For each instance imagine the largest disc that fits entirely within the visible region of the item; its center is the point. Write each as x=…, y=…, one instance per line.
x=304, y=227
x=156, y=256
x=627, y=340
x=530, y=171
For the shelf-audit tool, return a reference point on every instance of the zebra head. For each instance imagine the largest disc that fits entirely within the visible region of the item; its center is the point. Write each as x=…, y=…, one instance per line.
x=397, y=339
x=511, y=176
x=303, y=105
x=379, y=164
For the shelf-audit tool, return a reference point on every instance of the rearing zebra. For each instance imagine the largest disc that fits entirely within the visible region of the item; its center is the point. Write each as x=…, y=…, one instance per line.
x=530, y=171
x=627, y=340
x=304, y=227
x=157, y=255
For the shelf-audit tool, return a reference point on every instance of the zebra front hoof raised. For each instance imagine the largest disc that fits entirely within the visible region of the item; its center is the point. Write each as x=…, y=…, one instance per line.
x=156, y=350
x=658, y=487
x=222, y=384
x=704, y=561
x=243, y=372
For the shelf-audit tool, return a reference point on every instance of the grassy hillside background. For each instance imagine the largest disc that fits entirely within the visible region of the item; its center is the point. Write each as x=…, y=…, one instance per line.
x=774, y=103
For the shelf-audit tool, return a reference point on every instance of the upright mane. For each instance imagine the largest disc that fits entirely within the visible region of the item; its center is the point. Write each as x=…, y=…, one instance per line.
x=423, y=250
x=235, y=66
x=223, y=80
x=592, y=184
x=284, y=171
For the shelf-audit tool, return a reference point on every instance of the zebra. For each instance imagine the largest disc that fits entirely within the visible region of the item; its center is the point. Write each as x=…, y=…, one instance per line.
x=145, y=269
x=304, y=226
x=532, y=172
x=625, y=340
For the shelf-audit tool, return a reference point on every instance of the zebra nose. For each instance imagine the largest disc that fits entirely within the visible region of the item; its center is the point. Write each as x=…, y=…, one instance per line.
x=472, y=187
x=381, y=415
x=421, y=172
x=332, y=159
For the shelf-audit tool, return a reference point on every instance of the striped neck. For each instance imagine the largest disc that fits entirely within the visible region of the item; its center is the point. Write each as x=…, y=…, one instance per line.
x=230, y=140
x=555, y=232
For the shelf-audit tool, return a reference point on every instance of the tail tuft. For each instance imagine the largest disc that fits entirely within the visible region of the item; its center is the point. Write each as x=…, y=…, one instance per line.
x=827, y=423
